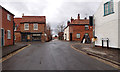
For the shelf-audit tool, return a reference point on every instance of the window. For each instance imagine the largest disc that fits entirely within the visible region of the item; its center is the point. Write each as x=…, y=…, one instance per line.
x=8, y=17
x=15, y=29
x=86, y=34
x=15, y=38
x=108, y=8
x=26, y=26
x=86, y=27
x=9, y=34
x=78, y=35
x=35, y=26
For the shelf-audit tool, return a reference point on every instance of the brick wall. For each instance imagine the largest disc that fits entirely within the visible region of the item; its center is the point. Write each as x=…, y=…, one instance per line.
x=41, y=28
x=18, y=36
x=17, y=32
x=74, y=29
x=7, y=25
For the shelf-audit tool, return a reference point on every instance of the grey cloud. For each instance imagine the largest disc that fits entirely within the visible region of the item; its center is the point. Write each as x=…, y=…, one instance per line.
x=55, y=15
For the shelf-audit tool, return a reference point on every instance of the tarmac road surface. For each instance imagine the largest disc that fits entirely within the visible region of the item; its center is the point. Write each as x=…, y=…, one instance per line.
x=54, y=55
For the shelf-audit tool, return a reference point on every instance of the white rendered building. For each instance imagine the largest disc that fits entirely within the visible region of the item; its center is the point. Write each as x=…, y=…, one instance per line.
x=107, y=24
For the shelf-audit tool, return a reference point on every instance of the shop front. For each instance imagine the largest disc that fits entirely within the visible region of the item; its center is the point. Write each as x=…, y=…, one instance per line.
x=28, y=37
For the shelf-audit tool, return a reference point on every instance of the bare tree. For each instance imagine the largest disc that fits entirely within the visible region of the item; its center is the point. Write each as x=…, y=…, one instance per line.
x=60, y=28
x=48, y=32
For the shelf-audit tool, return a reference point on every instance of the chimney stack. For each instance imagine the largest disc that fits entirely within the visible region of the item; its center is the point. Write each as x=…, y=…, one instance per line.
x=85, y=18
x=23, y=14
x=72, y=19
x=78, y=16
x=68, y=22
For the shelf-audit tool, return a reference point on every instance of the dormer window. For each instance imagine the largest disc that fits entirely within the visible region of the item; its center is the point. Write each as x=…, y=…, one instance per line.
x=108, y=8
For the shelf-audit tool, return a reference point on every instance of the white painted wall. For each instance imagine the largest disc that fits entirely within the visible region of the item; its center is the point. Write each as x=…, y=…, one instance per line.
x=106, y=26
x=66, y=31
x=119, y=24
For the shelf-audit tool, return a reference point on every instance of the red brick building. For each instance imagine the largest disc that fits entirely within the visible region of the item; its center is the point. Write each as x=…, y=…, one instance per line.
x=17, y=29
x=79, y=30
x=30, y=28
x=7, y=27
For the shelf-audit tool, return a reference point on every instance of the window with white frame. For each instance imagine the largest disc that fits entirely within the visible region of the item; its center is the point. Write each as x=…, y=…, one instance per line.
x=26, y=26
x=35, y=26
x=78, y=35
x=108, y=8
x=86, y=27
x=8, y=17
x=8, y=34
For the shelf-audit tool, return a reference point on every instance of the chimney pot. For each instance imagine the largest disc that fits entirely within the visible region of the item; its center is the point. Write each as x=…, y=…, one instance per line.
x=78, y=16
x=68, y=22
x=72, y=19
x=23, y=14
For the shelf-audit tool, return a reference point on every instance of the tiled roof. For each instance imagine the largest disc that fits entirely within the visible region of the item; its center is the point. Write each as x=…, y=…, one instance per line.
x=38, y=19
x=80, y=21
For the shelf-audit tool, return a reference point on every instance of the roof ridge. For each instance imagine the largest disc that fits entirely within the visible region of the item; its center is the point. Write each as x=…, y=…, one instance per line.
x=33, y=16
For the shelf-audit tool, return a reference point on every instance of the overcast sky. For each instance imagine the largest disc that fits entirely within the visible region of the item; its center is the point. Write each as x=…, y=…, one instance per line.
x=56, y=11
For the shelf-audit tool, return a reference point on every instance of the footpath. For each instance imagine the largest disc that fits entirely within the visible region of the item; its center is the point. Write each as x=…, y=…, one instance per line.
x=109, y=54
x=10, y=49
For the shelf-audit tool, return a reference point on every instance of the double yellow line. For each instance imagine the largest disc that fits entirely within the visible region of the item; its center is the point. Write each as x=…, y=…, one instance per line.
x=12, y=54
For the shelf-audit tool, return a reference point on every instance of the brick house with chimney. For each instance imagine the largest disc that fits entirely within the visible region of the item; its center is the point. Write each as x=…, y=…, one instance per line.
x=7, y=27
x=30, y=28
x=78, y=30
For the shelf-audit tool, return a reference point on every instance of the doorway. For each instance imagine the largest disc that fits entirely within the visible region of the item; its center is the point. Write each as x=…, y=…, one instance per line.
x=70, y=36
x=2, y=37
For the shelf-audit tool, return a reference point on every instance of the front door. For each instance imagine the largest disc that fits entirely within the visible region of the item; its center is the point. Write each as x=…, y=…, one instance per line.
x=2, y=37
x=70, y=36
x=24, y=37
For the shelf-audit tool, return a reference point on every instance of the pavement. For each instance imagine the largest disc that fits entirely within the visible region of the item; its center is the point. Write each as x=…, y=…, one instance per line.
x=109, y=53
x=54, y=55
x=9, y=49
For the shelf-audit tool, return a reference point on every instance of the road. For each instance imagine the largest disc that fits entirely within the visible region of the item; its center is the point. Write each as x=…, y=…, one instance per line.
x=54, y=55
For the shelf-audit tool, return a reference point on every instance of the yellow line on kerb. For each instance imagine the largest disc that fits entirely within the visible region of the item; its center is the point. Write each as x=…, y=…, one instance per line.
x=12, y=54
x=106, y=62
